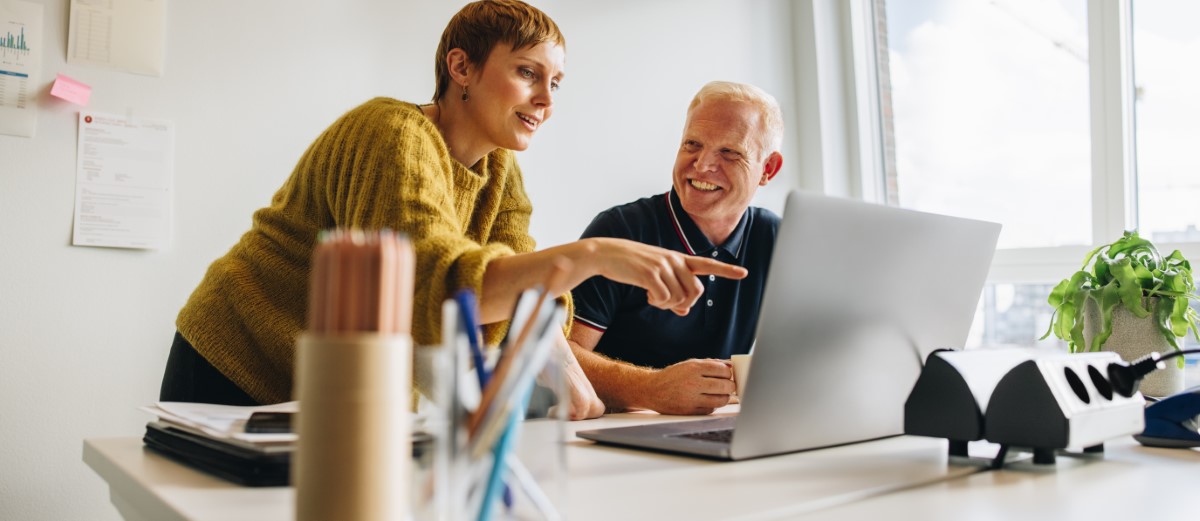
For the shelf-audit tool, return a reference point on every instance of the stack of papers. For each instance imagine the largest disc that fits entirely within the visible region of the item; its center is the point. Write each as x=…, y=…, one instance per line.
x=213, y=438
x=225, y=423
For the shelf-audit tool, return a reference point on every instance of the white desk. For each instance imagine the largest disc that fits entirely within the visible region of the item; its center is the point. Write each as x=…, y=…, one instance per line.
x=603, y=482
x=1129, y=482
x=849, y=482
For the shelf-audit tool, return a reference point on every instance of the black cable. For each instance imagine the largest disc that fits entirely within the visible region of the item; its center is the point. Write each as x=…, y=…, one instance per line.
x=1178, y=353
x=1126, y=377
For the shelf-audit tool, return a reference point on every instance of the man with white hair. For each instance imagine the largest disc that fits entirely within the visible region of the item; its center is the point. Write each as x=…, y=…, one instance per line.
x=677, y=362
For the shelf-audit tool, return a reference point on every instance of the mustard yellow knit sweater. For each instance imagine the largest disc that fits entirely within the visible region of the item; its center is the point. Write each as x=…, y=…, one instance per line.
x=381, y=165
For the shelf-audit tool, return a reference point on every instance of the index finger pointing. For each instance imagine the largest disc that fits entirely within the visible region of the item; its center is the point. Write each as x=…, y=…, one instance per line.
x=703, y=266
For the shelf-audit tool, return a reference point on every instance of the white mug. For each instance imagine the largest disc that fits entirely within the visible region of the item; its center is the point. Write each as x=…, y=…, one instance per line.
x=741, y=369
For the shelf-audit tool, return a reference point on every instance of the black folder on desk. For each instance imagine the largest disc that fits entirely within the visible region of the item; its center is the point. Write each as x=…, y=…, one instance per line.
x=239, y=463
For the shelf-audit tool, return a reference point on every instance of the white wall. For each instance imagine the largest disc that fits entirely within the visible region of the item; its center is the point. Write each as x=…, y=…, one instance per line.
x=632, y=68
x=85, y=331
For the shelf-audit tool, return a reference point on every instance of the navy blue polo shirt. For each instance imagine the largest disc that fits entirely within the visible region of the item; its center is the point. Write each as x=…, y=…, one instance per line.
x=721, y=323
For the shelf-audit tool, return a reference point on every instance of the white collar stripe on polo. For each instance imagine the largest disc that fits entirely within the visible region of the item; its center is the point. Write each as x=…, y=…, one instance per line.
x=678, y=228
x=590, y=324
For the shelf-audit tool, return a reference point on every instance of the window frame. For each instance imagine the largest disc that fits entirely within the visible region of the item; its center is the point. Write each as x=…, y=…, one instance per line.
x=842, y=140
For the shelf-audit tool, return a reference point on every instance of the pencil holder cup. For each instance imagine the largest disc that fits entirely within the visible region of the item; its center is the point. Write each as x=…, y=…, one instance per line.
x=352, y=459
x=541, y=450
x=448, y=479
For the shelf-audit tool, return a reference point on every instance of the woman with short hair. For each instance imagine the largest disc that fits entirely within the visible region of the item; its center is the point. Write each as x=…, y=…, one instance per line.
x=444, y=174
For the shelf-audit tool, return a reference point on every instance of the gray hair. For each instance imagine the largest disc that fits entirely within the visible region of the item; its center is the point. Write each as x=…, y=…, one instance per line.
x=769, y=111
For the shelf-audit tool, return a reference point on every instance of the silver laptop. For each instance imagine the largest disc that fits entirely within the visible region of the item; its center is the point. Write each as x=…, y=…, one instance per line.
x=858, y=295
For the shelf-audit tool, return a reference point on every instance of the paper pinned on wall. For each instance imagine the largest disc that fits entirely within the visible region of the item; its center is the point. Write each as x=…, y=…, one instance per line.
x=20, y=59
x=120, y=35
x=71, y=90
x=123, y=182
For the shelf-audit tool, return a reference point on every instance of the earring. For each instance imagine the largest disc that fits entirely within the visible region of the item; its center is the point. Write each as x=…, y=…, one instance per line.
x=465, y=97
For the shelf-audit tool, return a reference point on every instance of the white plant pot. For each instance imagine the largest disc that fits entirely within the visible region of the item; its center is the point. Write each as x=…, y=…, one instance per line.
x=1133, y=338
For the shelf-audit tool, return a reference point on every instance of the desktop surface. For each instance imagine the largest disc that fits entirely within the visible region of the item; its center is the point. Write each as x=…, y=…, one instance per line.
x=1128, y=482
x=602, y=482
x=904, y=477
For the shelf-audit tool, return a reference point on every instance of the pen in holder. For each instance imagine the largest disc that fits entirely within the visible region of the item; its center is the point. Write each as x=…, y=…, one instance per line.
x=481, y=477
x=504, y=486
x=353, y=380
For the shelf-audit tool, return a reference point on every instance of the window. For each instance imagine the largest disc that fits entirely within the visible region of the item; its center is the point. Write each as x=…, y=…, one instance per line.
x=1168, y=108
x=989, y=114
x=1014, y=315
x=1065, y=120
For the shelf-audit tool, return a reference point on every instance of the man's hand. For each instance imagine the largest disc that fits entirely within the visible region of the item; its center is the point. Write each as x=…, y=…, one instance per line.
x=691, y=387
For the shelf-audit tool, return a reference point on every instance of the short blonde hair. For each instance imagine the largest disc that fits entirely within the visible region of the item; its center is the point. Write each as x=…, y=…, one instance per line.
x=769, y=112
x=479, y=26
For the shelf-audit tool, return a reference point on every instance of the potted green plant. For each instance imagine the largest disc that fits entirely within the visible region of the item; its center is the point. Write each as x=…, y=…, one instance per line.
x=1129, y=280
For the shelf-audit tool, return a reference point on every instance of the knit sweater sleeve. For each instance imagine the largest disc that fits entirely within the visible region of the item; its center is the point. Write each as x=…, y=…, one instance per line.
x=512, y=228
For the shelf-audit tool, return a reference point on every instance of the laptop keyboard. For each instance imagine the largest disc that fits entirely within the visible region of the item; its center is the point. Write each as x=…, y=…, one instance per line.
x=719, y=435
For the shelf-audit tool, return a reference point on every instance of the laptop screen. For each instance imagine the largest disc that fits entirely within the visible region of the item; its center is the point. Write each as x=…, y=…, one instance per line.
x=858, y=295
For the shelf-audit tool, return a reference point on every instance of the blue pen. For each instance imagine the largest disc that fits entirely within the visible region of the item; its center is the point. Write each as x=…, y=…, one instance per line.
x=470, y=314
x=503, y=447
x=468, y=306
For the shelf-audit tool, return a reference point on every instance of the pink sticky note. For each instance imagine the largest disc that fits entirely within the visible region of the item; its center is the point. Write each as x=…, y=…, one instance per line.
x=71, y=90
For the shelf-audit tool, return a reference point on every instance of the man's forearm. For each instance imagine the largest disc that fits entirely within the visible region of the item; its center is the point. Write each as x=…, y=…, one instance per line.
x=620, y=385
